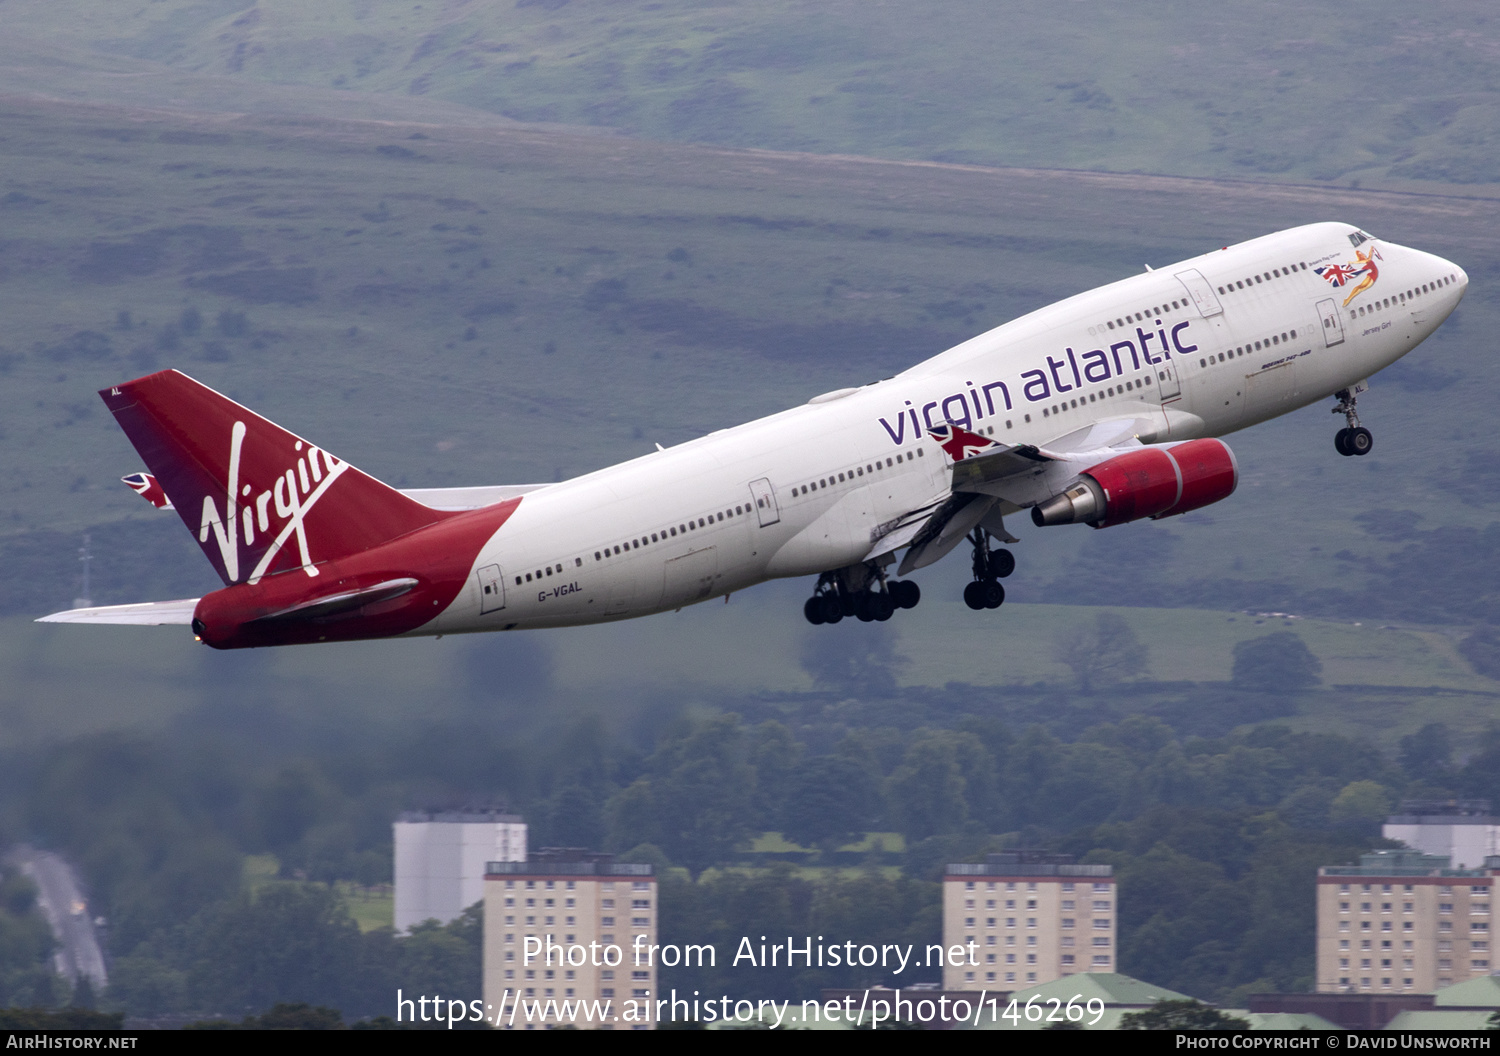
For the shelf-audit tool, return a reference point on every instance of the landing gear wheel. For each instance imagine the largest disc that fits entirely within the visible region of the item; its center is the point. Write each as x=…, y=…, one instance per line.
x=974, y=595
x=1002, y=563
x=883, y=606
x=905, y=594
x=833, y=610
x=812, y=608
x=1354, y=439
x=994, y=595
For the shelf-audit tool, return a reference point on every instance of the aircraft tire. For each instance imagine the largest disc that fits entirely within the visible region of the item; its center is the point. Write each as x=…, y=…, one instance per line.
x=1002, y=563
x=1341, y=442
x=1359, y=441
x=883, y=605
x=833, y=611
x=812, y=608
x=974, y=595
x=994, y=595
x=906, y=594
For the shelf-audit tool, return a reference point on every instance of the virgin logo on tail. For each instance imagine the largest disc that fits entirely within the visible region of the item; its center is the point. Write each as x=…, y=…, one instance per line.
x=293, y=495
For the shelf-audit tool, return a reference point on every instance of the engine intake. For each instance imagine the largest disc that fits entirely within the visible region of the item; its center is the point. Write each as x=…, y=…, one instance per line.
x=1158, y=481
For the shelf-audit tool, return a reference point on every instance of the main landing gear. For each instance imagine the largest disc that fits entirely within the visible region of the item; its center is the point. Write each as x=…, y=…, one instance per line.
x=1353, y=439
x=876, y=599
x=989, y=568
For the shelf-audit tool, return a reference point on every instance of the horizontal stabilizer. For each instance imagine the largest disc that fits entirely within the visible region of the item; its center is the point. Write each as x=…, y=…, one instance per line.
x=142, y=614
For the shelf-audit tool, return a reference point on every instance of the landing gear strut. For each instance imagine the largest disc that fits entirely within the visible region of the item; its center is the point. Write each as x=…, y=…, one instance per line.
x=985, y=592
x=1353, y=439
x=877, y=599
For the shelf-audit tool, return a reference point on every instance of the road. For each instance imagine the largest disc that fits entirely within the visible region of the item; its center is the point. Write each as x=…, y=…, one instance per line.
x=61, y=901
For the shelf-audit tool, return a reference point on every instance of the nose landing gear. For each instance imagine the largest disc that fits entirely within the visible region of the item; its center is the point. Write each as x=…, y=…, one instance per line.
x=1353, y=439
x=985, y=592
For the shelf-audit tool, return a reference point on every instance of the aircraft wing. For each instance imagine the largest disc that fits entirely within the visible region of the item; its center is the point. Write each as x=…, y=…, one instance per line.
x=991, y=479
x=144, y=614
x=145, y=485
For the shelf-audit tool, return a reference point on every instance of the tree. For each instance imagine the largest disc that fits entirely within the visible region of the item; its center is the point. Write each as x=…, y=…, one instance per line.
x=1104, y=655
x=1276, y=663
x=1482, y=650
x=1182, y=1015
x=859, y=659
x=832, y=798
x=1427, y=753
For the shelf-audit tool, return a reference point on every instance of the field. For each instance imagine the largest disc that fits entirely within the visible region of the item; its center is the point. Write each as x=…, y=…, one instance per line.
x=1380, y=682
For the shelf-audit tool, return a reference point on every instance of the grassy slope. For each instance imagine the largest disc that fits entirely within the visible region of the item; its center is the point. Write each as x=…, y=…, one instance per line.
x=1392, y=94
x=1380, y=683
x=361, y=270
x=498, y=305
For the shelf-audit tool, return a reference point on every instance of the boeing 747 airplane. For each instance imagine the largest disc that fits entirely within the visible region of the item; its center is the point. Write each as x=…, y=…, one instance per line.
x=1101, y=409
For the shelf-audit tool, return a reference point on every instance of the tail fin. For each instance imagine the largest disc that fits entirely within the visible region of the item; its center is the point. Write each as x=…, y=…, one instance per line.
x=259, y=499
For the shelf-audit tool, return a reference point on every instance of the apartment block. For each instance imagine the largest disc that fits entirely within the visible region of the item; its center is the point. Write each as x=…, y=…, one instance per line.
x=1403, y=921
x=570, y=926
x=441, y=857
x=1462, y=829
x=1026, y=918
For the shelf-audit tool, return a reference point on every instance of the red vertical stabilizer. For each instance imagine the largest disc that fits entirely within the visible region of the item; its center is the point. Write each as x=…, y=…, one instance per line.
x=259, y=499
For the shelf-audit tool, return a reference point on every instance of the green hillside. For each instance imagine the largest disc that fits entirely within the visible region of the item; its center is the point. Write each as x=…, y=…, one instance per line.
x=1385, y=92
x=448, y=304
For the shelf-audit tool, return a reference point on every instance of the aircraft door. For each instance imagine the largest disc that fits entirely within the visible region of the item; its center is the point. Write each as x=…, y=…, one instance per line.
x=1333, y=326
x=1166, y=378
x=491, y=589
x=765, y=502
x=690, y=578
x=1200, y=291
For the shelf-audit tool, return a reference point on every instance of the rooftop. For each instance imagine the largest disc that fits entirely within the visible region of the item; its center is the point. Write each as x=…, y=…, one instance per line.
x=468, y=815
x=1402, y=863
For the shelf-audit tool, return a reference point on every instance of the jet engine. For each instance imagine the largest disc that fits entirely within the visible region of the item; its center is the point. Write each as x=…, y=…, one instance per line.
x=1157, y=481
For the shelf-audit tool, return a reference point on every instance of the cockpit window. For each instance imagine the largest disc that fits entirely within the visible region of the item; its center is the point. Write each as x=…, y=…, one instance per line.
x=1359, y=237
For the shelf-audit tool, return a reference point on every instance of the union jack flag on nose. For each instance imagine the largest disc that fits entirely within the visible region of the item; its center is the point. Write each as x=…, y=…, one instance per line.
x=1337, y=274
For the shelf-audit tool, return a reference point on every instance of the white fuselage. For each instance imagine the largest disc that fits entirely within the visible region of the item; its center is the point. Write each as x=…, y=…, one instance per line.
x=1203, y=348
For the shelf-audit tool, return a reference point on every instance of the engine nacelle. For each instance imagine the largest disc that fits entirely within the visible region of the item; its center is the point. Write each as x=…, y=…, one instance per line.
x=1157, y=481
